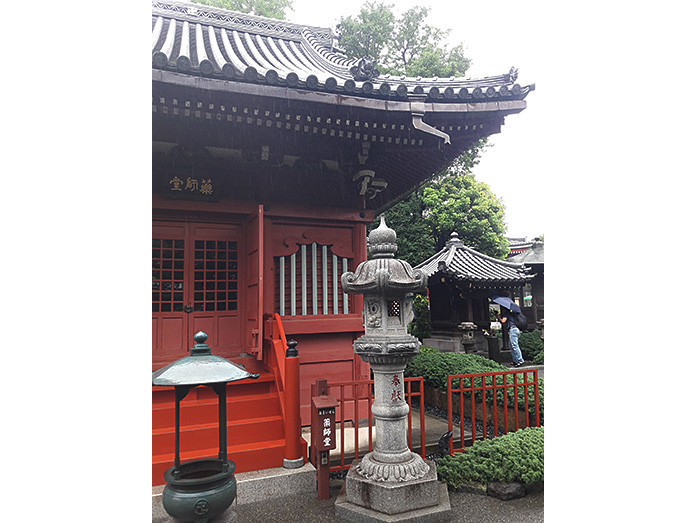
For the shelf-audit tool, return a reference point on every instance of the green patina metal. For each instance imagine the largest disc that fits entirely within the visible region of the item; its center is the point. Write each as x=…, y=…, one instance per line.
x=200, y=489
x=199, y=368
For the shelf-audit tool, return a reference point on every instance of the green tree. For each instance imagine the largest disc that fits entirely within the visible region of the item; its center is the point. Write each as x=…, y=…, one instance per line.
x=458, y=202
x=404, y=46
x=267, y=8
x=453, y=201
x=415, y=242
x=368, y=33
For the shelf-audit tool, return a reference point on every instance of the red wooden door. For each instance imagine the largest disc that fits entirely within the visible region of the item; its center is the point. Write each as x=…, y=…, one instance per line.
x=254, y=281
x=195, y=269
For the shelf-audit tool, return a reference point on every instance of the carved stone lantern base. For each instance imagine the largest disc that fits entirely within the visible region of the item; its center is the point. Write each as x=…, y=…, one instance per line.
x=423, y=500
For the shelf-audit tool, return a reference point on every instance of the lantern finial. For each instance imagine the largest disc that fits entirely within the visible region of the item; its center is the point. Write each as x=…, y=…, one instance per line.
x=382, y=240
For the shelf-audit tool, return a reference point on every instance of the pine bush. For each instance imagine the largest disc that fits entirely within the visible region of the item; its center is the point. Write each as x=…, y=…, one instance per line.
x=514, y=457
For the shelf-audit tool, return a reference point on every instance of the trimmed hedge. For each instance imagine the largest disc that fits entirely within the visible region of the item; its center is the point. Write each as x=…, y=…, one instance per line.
x=514, y=457
x=435, y=366
x=539, y=358
x=530, y=344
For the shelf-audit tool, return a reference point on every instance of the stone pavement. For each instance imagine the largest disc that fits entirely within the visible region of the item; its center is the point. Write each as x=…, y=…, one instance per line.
x=306, y=508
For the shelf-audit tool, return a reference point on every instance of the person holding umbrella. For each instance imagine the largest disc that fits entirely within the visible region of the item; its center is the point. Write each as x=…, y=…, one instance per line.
x=508, y=307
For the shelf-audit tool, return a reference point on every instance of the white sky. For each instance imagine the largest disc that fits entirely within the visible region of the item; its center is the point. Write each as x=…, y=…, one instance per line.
x=495, y=40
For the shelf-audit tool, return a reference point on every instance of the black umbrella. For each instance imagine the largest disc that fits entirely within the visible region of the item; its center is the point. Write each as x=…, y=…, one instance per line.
x=507, y=303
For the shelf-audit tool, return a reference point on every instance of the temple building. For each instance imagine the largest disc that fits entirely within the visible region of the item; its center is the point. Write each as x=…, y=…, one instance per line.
x=271, y=154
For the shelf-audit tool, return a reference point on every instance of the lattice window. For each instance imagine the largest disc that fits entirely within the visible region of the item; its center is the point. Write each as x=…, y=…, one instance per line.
x=167, y=275
x=309, y=282
x=215, y=275
x=393, y=309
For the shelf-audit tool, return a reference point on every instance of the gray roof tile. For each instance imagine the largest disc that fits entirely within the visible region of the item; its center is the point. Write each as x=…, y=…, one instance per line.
x=463, y=263
x=201, y=40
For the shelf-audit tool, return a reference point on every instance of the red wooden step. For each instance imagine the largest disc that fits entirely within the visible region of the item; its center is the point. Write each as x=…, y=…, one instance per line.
x=206, y=411
x=247, y=457
x=263, y=385
x=206, y=435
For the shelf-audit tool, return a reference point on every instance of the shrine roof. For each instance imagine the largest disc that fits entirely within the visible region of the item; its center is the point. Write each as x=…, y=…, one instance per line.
x=202, y=41
x=536, y=254
x=464, y=263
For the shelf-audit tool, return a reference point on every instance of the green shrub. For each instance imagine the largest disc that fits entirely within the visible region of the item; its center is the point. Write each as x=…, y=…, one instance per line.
x=514, y=457
x=530, y=344
x=421, y=326
x=539, y=358
x=435, y=366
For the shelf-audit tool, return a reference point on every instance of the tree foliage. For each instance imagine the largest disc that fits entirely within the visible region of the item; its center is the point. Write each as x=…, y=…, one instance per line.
x=267, y=8
x=457, y=202
x=404, y=45
x=454, y=201
x=368, y=33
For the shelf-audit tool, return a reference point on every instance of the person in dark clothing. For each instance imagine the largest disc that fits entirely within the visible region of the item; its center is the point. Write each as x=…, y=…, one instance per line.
x=508, y=321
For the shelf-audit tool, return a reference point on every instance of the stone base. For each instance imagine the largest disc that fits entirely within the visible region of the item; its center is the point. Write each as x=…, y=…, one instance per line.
x=444, y=343
x=393, y=497
x=440, y=512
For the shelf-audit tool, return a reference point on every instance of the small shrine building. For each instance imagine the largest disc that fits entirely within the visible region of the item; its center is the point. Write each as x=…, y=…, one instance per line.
x=460, y=283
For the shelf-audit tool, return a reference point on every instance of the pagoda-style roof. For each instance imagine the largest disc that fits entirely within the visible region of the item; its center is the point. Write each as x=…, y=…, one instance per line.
x=534, y=255
x=462, y=263
x=216, y=43
x=270, y=96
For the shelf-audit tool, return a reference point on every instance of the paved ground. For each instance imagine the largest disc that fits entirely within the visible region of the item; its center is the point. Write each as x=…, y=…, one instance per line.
x=466, y=507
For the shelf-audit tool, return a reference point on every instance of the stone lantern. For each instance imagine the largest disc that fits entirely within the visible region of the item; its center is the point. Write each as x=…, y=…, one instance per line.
x=391, y=479
x=468, y=340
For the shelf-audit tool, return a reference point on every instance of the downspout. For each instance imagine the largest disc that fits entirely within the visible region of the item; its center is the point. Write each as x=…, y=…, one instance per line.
x=417, y=106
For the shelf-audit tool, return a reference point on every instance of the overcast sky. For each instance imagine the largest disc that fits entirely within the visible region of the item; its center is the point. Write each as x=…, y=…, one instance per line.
x=496, y=39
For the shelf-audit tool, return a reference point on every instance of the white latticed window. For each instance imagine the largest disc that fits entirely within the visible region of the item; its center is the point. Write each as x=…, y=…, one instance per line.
x=308, y=282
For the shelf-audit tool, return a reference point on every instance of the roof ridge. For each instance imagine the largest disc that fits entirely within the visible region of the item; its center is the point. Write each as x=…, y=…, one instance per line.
x=228, y=19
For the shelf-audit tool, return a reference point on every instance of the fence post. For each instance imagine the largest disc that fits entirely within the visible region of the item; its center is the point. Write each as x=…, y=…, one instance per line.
x=323, y=434
x=294, y=458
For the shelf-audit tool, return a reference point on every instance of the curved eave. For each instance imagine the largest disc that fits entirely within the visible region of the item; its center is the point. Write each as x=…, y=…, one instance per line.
x=214, y=84
x=465, y=264
x=202, y=41
x=482, y=283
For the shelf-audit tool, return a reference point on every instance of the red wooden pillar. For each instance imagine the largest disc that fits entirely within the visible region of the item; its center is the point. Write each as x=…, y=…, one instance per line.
x=293, y=457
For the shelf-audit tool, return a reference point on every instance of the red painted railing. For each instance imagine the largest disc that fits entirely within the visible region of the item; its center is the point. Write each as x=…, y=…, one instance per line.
x=287, y=375
x=500, y=412
x=356, y=398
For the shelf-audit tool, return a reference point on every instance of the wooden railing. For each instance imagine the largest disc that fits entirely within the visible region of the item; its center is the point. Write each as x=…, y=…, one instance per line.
x=355, y=399
x=502, y=414
x=287, y=376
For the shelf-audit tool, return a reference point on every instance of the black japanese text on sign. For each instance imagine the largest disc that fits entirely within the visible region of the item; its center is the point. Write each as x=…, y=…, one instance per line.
x=325, y=441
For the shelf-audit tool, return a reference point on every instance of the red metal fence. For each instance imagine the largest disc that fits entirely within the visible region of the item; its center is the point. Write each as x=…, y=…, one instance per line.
x=354, y=413
x=493, y=397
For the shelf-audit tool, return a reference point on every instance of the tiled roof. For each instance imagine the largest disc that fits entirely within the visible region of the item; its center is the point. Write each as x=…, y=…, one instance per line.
x=205, y=41
x=463, y=263
x=536, y=254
